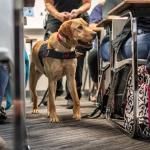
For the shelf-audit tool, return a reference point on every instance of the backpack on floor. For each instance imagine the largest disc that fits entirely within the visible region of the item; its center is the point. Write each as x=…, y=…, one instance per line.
x=143, y=105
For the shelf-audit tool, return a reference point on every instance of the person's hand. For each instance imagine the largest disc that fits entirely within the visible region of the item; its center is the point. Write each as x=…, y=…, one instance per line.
x=74, y=13
x=94, y=27
x=63, y=16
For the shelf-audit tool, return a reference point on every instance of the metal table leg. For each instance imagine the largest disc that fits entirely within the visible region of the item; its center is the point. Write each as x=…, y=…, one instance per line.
x=20, y=138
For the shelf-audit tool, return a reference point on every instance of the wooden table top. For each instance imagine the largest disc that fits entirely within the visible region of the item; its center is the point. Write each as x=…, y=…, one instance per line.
x=132, y=5
x=108, y=20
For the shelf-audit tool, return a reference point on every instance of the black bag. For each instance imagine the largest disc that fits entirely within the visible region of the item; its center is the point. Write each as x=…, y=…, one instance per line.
x=121, y=38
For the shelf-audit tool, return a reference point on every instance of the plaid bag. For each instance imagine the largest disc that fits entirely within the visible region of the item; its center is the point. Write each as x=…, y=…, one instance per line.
x=143, y=110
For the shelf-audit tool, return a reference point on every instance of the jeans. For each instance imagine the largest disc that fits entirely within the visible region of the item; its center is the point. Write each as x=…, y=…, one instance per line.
x=104, y=49
x=26, y=67
x=143, y=47
x=4, y=77
x=7, y=92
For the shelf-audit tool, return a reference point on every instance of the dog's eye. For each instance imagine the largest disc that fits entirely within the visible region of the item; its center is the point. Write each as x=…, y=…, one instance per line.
x=80, y=27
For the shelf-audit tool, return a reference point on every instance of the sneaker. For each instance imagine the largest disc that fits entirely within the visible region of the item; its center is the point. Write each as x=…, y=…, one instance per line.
x=69, y=104
x=45, y=103
x=68, y=97
x=59, y=92
x=2, y=143
x=3, y=116
x=103, y=116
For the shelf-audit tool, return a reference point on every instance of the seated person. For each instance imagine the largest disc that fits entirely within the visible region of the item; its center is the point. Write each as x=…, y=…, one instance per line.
x=96, y=15
x=143, y=45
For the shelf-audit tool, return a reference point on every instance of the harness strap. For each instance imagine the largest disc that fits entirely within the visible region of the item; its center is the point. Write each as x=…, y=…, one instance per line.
x=45, y=52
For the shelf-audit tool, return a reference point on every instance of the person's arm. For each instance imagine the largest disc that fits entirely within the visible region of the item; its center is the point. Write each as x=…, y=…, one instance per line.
x=96, y=14
x=96, y=17
x=49, y=4
x=84, y=8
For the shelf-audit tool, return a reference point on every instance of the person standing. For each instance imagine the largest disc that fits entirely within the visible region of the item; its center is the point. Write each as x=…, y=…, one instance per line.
x=60, y=11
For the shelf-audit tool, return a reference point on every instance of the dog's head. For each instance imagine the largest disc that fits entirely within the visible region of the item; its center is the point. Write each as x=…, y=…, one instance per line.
x=77, y=30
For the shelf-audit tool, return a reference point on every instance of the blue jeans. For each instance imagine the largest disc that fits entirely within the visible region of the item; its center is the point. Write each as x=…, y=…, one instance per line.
x=7, y=92
x=4, y=76
x=104, y=49
x=26, y=67
x=143, y=47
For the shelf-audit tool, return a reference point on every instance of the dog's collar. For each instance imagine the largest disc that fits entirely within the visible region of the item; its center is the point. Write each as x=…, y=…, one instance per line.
x=63, y=40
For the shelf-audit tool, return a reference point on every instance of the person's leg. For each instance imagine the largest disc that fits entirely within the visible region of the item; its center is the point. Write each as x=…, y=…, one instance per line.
x=2, y=144
x=4, y=76
x=104, y=49
x=93, y=71
x=8, y=96
x=93, y=65
x=79, y=70
x=51, y=28
x=142, y=46
x=26, y=67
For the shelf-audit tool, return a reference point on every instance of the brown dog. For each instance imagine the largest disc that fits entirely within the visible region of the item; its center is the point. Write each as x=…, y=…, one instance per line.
x=70, y=34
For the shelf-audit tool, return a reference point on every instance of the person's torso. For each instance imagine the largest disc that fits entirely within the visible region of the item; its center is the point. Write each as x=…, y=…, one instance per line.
x=64, y=6
x=67, y=5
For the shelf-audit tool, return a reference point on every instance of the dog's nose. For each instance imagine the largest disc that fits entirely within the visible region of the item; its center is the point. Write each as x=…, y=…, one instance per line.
x=94, y=35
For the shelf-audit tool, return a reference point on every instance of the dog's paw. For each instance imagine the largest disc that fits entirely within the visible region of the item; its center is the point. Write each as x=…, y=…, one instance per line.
x=35, y=111
x=77, y=116
x=54, y=119
x=48, y=115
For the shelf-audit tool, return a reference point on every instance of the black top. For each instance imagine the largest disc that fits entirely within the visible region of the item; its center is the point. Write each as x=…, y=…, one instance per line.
x=62, y=6
x=143, y=23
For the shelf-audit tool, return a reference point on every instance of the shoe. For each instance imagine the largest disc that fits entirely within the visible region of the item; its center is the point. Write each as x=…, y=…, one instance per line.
x=69, y=104
x=68, y=96
x=93, y=99
x=103, y=116
x=45, y=103
x=3, y=116
x=2, y=143
x=59, y=92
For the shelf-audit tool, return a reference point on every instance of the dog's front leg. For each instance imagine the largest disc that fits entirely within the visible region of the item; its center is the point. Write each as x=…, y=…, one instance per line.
x=76, y=102
x=51, y=104
x=34, y=77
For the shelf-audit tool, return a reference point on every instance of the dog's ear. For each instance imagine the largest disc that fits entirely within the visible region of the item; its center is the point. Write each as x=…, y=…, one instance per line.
x=65, y=29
